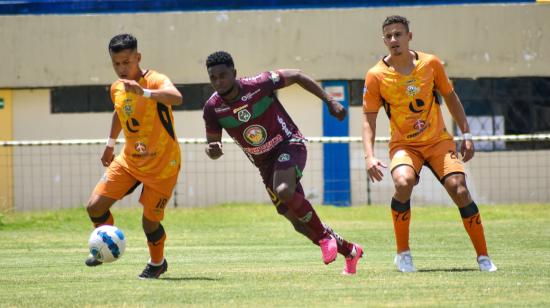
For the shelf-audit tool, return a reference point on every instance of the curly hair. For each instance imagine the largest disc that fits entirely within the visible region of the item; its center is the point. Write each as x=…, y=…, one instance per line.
x=219, y=57
x=122, y=42
x=396, y=19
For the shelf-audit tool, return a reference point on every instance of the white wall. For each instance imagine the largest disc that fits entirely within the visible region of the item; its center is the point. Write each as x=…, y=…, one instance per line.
x=473, y=40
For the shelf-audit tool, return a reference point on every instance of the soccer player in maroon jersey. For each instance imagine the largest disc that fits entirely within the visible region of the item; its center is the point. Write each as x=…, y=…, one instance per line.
x=253, y=116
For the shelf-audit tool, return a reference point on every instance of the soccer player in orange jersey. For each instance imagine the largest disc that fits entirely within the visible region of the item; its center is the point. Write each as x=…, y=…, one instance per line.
x=151, y=154
x=404, y=83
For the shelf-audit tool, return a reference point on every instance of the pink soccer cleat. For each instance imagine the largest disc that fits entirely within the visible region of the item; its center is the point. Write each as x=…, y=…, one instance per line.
x=351, y=261
x=329, y=248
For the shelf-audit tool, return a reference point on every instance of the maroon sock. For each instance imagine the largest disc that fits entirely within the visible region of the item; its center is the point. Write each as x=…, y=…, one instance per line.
x=306, y=214
x=344, y=247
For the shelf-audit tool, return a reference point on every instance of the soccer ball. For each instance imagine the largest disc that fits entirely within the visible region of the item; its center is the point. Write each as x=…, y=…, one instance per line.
x=107, y=243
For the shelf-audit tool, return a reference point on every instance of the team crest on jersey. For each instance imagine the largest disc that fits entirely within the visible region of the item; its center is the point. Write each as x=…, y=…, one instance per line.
x=140, y=147
x=255, y=135
x=284, y=157
x=412, y=90
x=128, y=110
x=244, y=115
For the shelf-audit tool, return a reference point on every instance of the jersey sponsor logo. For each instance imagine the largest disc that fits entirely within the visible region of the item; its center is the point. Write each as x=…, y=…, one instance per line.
x=255, y=135
x=284, y=157
x=221, y=109
x=255, y=78
x=140, y=147
x=240, y=108
x=281, y=121
x=419, y=104
x=132, y=125
x=268, y=146
x=274, y=76
x=244, y=115
x=249, y=95
x=420, y=126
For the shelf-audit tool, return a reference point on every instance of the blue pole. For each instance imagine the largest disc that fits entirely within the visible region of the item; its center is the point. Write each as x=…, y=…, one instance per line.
x=336, y=161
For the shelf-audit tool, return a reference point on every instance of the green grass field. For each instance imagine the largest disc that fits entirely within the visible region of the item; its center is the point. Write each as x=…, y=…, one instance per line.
x=246, y=255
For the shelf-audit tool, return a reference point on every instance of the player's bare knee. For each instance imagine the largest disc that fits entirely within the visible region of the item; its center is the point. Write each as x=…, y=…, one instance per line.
x=403, y=183
x=92, y=208
x=149, y=225
x=458, y=190
x=284, y=192
x=462, y=194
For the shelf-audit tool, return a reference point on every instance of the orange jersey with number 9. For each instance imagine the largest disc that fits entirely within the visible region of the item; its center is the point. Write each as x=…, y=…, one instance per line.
x=410, y=101
x=151, y=150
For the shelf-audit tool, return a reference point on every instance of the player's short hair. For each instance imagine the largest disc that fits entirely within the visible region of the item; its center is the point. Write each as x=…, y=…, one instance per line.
x=122, y=42
x=219, y=57
x=396, y=19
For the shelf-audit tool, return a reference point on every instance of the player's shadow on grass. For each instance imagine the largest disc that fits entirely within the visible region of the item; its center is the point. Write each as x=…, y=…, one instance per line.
x=189, y=279
x=454, y=270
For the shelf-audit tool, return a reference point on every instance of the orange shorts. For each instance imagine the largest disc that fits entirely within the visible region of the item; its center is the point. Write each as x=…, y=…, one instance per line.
x=117, y=182
x=440, y=157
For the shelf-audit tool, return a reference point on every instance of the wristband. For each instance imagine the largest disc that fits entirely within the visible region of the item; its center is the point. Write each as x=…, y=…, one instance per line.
x=147, y=93
x=467, y=136
x=111, y=142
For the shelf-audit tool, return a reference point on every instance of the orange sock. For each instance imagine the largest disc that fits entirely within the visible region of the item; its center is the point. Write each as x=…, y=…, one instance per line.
x=155, y=241
x=401, y=213
x=472, y=223
x=105, y=219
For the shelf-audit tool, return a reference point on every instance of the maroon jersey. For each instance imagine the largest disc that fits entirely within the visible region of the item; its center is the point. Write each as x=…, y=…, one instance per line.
x=257, y=121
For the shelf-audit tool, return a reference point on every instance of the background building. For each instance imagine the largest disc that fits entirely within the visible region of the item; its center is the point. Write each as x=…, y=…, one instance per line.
x=56, y=72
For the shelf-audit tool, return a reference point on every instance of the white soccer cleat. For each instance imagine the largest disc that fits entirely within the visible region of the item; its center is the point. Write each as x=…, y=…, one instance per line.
x=485, y=264
x=404, y=262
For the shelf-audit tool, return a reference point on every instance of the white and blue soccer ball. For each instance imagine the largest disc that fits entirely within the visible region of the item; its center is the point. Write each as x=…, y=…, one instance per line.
x=107, y=243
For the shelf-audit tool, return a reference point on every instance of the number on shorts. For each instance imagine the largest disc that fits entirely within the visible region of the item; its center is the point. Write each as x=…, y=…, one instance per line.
x=453, y=154
x=161, y=204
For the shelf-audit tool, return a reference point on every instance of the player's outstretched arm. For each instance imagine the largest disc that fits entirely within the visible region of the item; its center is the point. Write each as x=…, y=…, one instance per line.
x=292, y=76
x=374, y=166
x=214, y=148
x=108, y=153
x=167, y=95
x=454, y=105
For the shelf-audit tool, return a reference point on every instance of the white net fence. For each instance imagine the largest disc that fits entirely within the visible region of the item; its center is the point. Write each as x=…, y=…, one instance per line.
x=53, y=174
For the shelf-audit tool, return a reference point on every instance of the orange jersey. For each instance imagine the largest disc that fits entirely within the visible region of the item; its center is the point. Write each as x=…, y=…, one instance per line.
x=151, y=151
x=410, y=101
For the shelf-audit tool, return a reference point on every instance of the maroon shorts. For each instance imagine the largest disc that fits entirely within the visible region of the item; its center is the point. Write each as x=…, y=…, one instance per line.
x=287, y=155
